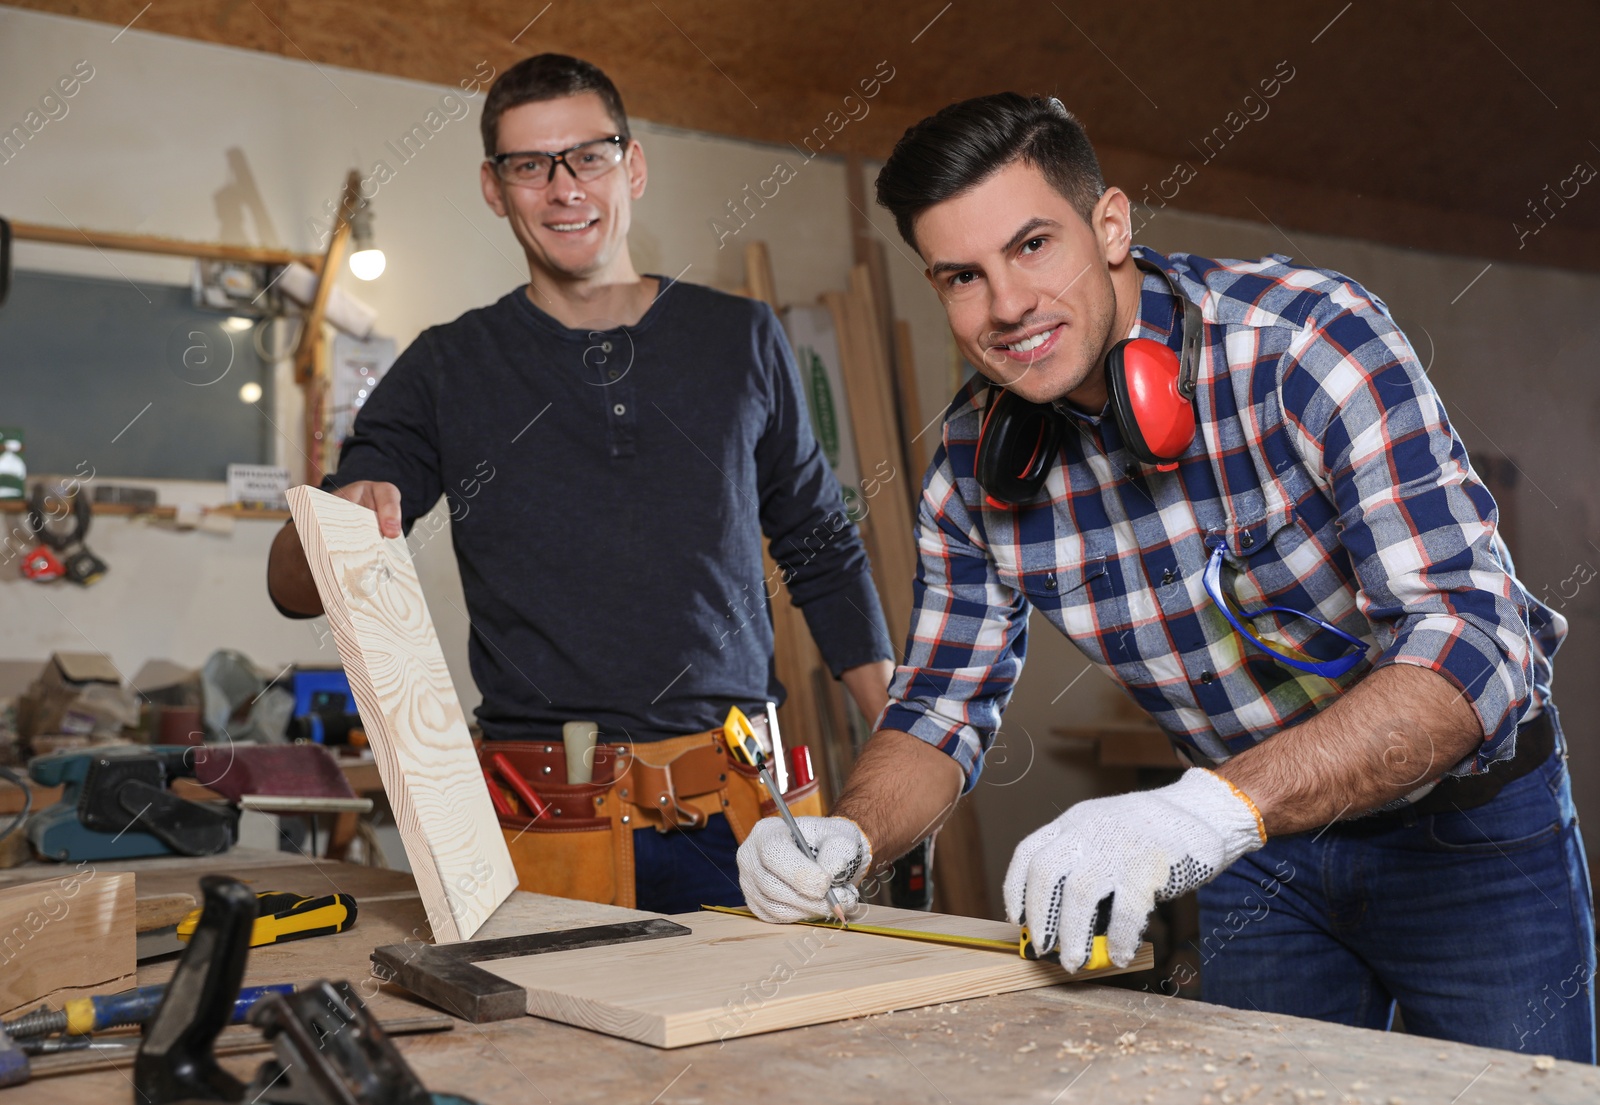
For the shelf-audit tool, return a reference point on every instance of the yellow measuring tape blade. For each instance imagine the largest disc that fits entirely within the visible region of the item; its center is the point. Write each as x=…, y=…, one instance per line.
x=884, y=930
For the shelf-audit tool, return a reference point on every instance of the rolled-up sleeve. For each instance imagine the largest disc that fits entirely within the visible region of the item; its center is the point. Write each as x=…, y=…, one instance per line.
x=968, y=635
x=1417, y=523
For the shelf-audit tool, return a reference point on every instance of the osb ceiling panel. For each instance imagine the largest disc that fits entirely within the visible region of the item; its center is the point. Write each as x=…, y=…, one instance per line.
x=1434, y=125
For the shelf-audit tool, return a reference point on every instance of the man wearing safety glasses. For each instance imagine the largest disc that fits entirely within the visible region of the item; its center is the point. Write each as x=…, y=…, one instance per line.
x=1233, y=486
x=613, y=447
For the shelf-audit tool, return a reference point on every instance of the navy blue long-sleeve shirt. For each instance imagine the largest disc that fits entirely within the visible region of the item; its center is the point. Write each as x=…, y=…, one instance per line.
x=608, y=491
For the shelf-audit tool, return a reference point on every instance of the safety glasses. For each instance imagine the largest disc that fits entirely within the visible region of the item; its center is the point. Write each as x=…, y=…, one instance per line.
x=1328, y=669
x=585, y=161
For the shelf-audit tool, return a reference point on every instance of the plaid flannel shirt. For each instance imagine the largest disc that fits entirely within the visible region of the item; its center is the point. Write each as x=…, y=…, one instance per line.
x=1323, y=463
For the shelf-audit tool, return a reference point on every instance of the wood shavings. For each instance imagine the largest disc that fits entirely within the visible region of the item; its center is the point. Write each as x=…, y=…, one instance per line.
x=1027, y=1047
x=1127, y=1040
x=1544, y=1062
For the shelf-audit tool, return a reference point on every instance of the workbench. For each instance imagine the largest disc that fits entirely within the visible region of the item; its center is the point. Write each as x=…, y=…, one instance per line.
x=1068, y=1044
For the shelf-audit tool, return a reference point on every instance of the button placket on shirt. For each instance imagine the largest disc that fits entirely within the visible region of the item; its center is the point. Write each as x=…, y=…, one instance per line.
x=617, y=393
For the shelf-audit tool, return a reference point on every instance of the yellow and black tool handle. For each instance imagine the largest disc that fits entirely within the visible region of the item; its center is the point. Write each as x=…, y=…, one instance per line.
x=284, y=916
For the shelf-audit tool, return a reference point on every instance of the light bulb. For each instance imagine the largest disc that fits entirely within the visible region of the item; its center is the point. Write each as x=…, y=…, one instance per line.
x=250, y=393
x=237, y=323
x=368, y=264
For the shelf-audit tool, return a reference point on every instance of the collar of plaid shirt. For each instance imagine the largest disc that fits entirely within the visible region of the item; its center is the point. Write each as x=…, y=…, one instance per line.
x=1324, y=468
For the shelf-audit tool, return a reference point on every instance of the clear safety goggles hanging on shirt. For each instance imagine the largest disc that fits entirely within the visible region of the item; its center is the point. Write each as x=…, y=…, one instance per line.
x=1328, y=669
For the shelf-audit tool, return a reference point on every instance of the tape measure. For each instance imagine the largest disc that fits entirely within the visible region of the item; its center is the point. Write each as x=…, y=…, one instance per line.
x=1099, y=957
x=741, y=738
x=1099, y=950
x=283, y=916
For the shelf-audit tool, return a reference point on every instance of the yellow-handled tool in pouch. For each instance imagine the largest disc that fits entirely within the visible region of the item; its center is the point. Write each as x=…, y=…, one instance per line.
x=740, y=736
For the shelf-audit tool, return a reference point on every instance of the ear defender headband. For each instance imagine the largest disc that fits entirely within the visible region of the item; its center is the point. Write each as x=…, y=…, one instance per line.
x=1151, y=398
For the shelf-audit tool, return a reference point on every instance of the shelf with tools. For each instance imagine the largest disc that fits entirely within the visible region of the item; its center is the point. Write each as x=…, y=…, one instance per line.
x=129, y=510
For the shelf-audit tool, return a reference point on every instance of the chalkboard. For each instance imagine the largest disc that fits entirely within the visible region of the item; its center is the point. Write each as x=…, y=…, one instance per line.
x=129, y=380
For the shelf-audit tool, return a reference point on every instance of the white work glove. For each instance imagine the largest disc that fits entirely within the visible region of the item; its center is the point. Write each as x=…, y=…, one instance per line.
x=782, y=884
x=1147, y=847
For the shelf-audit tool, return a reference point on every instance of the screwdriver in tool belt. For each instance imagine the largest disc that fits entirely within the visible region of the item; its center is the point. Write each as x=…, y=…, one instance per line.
x=741, y=738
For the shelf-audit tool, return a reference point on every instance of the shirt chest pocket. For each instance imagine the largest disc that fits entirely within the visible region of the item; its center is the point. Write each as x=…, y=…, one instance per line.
x=1266, y=561
x=1064, y=594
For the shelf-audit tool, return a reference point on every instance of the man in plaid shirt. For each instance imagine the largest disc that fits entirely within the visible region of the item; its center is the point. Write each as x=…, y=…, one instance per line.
x=1312, y=601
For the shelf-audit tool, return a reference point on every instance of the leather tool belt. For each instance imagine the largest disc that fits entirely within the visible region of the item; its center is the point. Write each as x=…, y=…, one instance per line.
x=583, y=846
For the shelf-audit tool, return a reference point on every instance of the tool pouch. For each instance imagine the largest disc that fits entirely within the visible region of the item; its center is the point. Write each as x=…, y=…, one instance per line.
x=583, y=848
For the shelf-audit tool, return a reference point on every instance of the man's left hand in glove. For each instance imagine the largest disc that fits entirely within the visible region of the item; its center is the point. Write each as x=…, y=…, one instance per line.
x=1146, y=847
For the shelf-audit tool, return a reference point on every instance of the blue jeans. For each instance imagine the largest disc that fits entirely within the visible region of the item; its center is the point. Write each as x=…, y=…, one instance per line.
x=1478, y=924
x=680, y=871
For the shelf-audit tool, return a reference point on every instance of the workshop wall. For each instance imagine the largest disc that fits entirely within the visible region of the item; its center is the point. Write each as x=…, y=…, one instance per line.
x=185, y=139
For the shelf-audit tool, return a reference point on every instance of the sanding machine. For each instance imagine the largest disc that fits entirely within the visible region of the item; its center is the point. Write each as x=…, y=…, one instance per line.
x=117, y=803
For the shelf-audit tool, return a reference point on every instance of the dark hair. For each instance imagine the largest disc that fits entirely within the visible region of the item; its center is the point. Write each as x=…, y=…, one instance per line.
x=963, y=144
x=547, y=77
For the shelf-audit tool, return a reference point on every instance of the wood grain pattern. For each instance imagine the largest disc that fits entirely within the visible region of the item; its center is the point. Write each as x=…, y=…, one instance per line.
x=739, y=977
x=525, y=912
x=408, y=705
x=65, y=937
x=157, y=911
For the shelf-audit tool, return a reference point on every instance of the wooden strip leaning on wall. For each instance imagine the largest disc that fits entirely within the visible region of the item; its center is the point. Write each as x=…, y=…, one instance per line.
x=814, y=708
x=960, y=881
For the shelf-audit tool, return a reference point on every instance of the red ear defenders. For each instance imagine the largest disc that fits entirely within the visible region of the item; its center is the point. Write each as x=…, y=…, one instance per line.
x=1152, y=401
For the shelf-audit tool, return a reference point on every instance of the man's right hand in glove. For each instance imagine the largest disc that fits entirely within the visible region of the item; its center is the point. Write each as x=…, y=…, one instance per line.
x=782, y=884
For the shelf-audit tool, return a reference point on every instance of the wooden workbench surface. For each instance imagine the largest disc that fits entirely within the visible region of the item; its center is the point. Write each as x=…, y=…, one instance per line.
x=1069, y=1044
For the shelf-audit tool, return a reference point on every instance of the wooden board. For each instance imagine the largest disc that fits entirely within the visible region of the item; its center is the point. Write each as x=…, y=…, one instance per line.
x=65, y=937
x=905, y=368
x=409, y=708
x=738, y=977
x=159, y=911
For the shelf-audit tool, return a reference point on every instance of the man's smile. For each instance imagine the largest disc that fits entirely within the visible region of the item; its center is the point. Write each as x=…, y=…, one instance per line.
x=1032, y=345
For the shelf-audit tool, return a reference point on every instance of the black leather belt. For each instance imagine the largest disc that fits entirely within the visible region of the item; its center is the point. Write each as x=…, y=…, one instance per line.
x=1536, y=742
